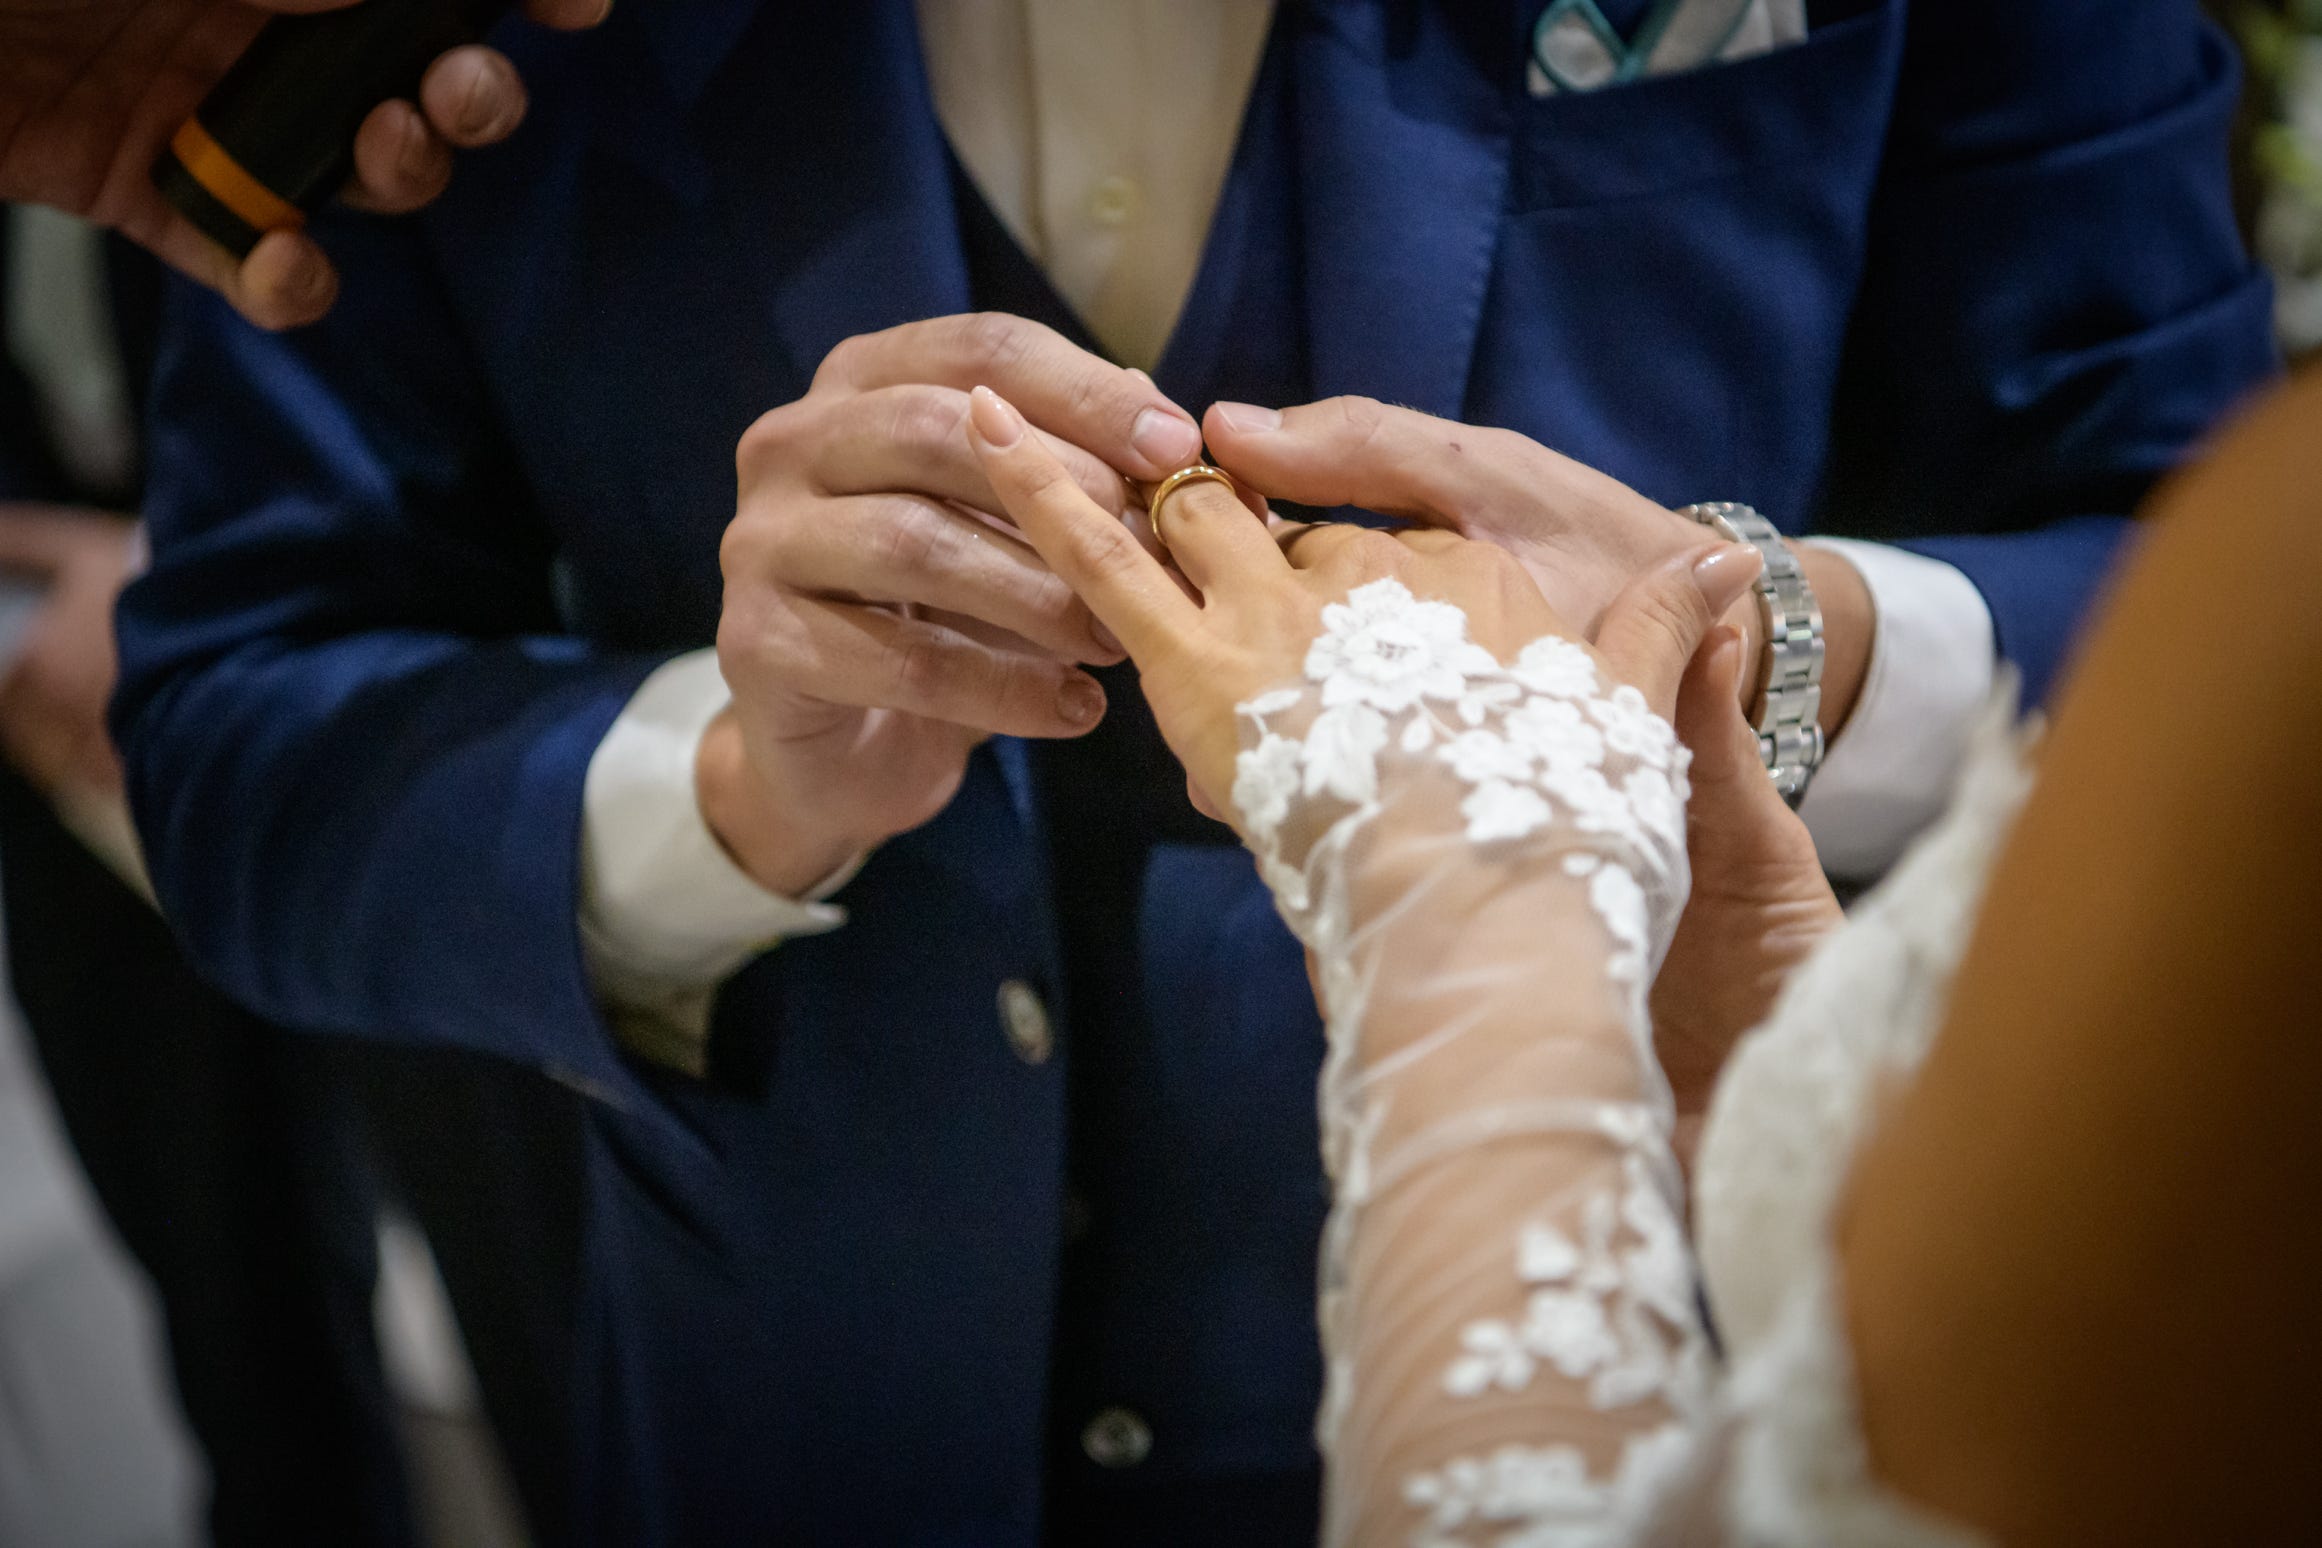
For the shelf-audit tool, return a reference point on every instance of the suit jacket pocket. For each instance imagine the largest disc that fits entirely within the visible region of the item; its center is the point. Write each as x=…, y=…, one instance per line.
x=1670, y=131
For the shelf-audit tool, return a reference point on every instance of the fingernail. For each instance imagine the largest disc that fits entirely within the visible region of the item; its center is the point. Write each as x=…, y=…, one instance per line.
x=311, y=282
x=1165, y=440
x=484, y=105
x=416, y=152
x=1723, y=573
x=1105, y=638
x=995, y=417
x=1080, y=702
x=1249, y=418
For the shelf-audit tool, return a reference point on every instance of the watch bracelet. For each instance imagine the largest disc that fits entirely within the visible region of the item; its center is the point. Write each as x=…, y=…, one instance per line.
x=1788, y=697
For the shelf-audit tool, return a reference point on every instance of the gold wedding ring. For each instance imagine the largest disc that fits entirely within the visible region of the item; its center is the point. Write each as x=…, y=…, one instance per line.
x=1200, y=472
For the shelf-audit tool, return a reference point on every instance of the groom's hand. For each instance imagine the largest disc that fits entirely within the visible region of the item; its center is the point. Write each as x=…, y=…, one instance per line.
x=879, y=620
x=1759, y=903
x=1582, y=535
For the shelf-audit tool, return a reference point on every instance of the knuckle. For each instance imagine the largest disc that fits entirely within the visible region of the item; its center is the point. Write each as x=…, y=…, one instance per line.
x=1361, y=420
x=1106, y=552
x=755, y=644
x=1044, y=484
x=1672, y=613
x=923, y=667
x=929, y=419
x=739, y=549
x=757, y=545
x=765, y=442
x=1376, y=553
x=998, y=341
x=841, y=362
x=1050, y=597
x=913, y=538
x=1095, y=392
x=734, y=644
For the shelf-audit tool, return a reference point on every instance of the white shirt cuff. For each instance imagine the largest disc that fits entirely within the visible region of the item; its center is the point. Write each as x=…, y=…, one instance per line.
x=1934, y=659
x=665, y=913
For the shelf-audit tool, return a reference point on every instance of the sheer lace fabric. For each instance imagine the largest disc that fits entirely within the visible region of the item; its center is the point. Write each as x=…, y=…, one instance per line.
x=1486, y=861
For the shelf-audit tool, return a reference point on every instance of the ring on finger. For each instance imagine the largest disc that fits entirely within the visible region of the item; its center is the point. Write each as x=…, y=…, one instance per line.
x=1200, y=472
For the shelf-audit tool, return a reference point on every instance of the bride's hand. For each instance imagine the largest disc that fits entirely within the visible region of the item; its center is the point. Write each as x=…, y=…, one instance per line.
x=1260, y=594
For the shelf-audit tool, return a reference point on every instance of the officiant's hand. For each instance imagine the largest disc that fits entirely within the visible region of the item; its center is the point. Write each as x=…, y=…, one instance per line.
x=880, y=617
x=91, y=90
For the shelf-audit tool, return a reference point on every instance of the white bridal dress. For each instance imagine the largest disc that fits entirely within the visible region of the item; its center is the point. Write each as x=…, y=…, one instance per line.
x=1488, y=862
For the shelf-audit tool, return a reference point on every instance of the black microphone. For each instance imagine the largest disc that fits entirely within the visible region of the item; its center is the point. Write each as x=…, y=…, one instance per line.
x=275, y=139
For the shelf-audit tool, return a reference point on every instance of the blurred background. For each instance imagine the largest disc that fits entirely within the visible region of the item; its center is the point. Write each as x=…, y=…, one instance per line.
x=2280, y=155
x=95, y=1447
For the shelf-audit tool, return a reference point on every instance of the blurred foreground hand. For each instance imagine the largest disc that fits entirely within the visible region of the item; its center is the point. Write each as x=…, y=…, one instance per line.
x=54, y=689
x=91, y=90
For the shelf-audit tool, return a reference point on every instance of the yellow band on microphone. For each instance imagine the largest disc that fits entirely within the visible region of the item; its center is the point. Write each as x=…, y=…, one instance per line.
x=209, y=164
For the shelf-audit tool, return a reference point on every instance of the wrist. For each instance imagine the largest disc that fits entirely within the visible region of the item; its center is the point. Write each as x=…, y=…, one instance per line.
x=1849, y=620
x=779, y=836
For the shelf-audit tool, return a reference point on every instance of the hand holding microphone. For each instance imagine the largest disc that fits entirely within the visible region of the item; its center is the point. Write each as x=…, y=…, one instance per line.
x=373, y=96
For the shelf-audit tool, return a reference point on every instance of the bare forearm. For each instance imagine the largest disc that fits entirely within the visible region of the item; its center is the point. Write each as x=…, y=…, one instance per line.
x=2079, y=1294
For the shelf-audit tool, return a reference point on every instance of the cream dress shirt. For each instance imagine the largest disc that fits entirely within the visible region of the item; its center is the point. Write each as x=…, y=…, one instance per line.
x=1100, y=133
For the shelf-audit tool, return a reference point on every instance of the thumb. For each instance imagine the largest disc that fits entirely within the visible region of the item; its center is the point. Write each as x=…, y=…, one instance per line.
x=1653, y=628
x=1709, y=715
x=1352, y=451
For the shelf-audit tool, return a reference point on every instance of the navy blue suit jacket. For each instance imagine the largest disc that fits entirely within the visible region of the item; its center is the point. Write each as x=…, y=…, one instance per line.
x=1961, y=273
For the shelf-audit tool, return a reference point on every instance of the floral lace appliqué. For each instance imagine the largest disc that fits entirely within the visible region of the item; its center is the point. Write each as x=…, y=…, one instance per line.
x=1543, y=764
x=1530, y=739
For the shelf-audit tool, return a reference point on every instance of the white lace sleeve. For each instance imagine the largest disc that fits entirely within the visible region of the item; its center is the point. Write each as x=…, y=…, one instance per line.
x=1486, y=862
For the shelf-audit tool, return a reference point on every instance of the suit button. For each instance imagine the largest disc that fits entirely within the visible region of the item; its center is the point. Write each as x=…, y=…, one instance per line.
x=1024, y=1017
x=1117, y=1438
x=1113, y=202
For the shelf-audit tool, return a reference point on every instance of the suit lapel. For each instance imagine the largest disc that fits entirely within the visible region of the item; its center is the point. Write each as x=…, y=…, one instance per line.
x=1403, y=123
x=808, y=133
x=811, y=130
x=820, y=158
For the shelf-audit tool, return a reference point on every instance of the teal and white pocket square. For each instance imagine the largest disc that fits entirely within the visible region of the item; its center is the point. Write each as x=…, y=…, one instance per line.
x=1576, y=48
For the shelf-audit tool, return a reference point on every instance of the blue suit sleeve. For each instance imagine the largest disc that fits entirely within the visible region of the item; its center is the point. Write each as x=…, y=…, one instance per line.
x=2057, y=303
x=356, y=735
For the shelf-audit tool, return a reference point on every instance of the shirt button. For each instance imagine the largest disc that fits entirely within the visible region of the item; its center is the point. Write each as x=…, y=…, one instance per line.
x=1113, y=201
x=1025, y=1019
x=1117, y=1438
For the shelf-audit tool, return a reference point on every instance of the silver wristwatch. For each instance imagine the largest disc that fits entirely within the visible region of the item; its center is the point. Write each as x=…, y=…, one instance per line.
x=1789, y=687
